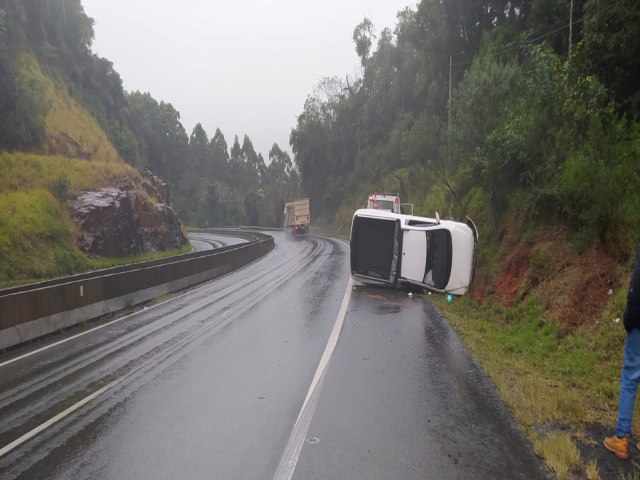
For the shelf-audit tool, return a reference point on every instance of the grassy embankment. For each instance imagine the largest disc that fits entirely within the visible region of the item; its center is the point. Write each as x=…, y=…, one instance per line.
x=544, y=322
x=555, y=384
x=553, y=357
x=37, y=235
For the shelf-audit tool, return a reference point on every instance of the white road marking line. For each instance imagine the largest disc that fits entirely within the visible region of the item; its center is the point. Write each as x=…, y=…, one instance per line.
x=331, y=344
x=47, y=347
x=292, y=451
x=301, y=426
x=102, y=326
x=289, y=459
x=57, y=418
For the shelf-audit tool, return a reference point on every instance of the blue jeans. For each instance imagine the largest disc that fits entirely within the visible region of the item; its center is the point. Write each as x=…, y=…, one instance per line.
x=629, y=381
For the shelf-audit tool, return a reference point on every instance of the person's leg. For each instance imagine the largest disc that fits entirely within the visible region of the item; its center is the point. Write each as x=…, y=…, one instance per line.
x=629, y=380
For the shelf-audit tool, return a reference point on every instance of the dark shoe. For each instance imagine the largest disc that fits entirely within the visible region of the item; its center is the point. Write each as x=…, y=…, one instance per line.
x=618, y=446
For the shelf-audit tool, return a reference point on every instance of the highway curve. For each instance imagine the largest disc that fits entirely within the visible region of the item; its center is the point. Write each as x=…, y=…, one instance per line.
x=208, y=240
x=216, y=382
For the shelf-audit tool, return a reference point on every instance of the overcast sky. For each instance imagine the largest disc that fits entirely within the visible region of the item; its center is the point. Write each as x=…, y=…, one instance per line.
x=245, y=67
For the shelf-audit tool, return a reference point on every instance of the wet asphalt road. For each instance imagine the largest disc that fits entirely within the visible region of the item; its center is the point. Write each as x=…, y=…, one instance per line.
x=208, y=240
x=210, y=384
x=403, y=400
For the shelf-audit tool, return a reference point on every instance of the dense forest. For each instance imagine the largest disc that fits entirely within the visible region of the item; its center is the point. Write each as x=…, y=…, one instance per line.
x=541, y=119
x=522, y=114
x=211, y=184
x=514, y=112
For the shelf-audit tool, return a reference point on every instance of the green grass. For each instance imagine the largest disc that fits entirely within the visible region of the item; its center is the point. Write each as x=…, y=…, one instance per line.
x=24, y=171
x=70, y=130
x=547, y=378
x=36, y=238
x=36, y=232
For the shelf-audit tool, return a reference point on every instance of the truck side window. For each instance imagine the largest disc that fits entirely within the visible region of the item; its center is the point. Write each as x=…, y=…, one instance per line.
x=438, y=267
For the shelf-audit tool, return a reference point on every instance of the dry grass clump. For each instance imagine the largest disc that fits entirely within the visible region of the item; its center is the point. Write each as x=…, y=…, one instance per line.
x=559, y=452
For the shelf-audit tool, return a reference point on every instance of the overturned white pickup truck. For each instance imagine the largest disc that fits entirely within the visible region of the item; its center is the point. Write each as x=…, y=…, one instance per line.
x=394, y=249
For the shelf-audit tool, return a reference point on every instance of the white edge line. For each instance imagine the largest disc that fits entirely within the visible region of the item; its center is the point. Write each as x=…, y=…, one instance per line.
x=289, y=459
x=101, y=326
x=331, y=344
x=27, y=436
x=297, y=438
x=8, y=362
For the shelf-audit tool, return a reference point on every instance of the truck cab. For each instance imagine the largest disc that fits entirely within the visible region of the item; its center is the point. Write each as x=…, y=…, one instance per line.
x=389, y=202
x=384, y=201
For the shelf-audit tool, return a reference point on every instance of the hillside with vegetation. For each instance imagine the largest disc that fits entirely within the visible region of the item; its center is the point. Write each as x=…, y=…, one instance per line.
x=525, y=116
x=67, y=127
x=53, y=149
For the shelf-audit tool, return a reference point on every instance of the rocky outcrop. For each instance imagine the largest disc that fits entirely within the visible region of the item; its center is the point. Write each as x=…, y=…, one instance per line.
x=119, y=222
x=155, y=186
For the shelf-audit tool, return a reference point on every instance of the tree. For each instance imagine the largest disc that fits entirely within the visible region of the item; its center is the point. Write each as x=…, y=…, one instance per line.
x=384, y=96
x=611, y=48
x=199, y=153
x=548, y=20
x=162, y=136
x=309, y=141
x=254, y=162
x=280, y=185
x=219, y=155
x=363, y=36
x=432, y=41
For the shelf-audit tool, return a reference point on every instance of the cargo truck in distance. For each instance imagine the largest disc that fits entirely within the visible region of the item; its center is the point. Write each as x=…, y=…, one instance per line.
x=297, y=217
x=393, y=249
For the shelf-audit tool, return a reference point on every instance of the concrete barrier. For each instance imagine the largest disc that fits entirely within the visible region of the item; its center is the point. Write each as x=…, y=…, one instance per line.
x=32, y=311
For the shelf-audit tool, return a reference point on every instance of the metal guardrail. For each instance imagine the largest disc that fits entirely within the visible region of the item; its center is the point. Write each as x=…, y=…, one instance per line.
x=31, y=311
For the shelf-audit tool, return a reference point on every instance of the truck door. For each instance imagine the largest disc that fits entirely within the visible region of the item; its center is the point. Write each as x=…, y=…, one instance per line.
x=414, y=255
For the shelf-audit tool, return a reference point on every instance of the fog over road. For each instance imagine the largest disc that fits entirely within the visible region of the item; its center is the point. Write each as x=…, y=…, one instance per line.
x=211, y=383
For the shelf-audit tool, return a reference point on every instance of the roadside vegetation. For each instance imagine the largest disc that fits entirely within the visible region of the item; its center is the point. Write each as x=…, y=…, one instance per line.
x=37, y=235
x=540, y=145
x=557, y=384
x=524, y=115
x=58, y=97
x=68, y=126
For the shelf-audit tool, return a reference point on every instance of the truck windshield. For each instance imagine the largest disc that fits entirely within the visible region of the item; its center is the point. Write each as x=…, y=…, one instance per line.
x=438, y=268
x=382, y=205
